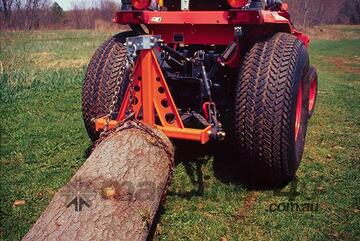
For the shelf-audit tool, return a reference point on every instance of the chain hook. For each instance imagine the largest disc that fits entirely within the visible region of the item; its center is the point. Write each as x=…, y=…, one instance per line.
x=127, y=65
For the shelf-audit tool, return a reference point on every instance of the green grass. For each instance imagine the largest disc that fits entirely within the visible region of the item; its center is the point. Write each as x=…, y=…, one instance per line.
x=43, y=143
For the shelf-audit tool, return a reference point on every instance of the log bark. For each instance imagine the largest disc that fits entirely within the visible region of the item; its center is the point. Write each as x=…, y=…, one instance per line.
x=117, y=191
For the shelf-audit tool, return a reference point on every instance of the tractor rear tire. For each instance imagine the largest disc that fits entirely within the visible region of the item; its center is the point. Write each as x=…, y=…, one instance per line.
x=100, y=80
x=271, y=109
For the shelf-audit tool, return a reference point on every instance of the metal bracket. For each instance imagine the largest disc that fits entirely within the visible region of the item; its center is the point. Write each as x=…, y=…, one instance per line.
x=238, y=31
x=142, y=42
x=185, y=5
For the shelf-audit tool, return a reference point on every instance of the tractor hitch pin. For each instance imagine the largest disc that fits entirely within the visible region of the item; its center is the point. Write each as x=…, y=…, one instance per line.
x=217, y=134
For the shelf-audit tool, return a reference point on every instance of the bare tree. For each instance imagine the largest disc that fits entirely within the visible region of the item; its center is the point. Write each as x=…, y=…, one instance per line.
x=350, y=12
x=6, y=12
x=33, y=14
x=35, y=10
x=85, y=13
x=77, y=13
x=312, y=12
x=25, y=14
x=107, y=9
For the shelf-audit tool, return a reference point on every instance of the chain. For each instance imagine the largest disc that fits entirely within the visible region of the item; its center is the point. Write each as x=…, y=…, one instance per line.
x=115, y=97
x=131, y=55
x=131, y=86
x=128, y=64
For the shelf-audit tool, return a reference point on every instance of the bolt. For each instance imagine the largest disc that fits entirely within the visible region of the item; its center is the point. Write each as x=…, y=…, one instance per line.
x=221, y=135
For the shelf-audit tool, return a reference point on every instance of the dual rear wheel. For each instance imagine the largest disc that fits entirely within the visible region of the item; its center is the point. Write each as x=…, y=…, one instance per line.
x=272, y=108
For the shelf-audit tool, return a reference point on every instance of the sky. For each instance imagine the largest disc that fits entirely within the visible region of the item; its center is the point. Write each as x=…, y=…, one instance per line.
x=65, y=4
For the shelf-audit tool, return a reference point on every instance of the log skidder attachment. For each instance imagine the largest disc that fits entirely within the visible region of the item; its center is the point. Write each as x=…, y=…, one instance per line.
x=148, y=96
x=271, y=108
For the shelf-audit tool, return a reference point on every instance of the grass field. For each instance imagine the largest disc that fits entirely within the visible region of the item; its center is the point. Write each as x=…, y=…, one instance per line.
x=43, y=143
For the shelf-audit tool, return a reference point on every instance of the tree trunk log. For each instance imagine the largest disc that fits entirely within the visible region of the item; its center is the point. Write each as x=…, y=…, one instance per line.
x=117, y=191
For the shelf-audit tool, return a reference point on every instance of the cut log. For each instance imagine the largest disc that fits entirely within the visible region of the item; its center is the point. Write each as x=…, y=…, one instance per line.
x=116, y=193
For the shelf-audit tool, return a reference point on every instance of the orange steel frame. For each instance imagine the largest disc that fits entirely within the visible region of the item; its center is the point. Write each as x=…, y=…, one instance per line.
x=151, y=96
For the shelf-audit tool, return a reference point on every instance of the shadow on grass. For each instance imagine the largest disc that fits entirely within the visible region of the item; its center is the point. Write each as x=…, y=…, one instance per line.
x=237, y=168
x=88, y=151
x=193, y=157
x=230, y=167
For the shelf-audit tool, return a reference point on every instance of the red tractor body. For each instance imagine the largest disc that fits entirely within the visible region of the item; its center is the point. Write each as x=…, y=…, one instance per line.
x=240, y=74
x=195, y=27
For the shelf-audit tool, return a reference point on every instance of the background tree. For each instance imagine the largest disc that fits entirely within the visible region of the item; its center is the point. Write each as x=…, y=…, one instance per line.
x=34, y=14
x=6, y=12
x=107, y=9
x=350, y=13
x=57, y=13
x=312, y=12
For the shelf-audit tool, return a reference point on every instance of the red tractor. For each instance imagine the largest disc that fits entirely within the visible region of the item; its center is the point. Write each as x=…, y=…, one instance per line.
x=230, y=71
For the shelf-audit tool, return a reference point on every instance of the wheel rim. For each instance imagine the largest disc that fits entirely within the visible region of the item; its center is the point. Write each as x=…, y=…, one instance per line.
x=298, y=114
x=312, y=94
